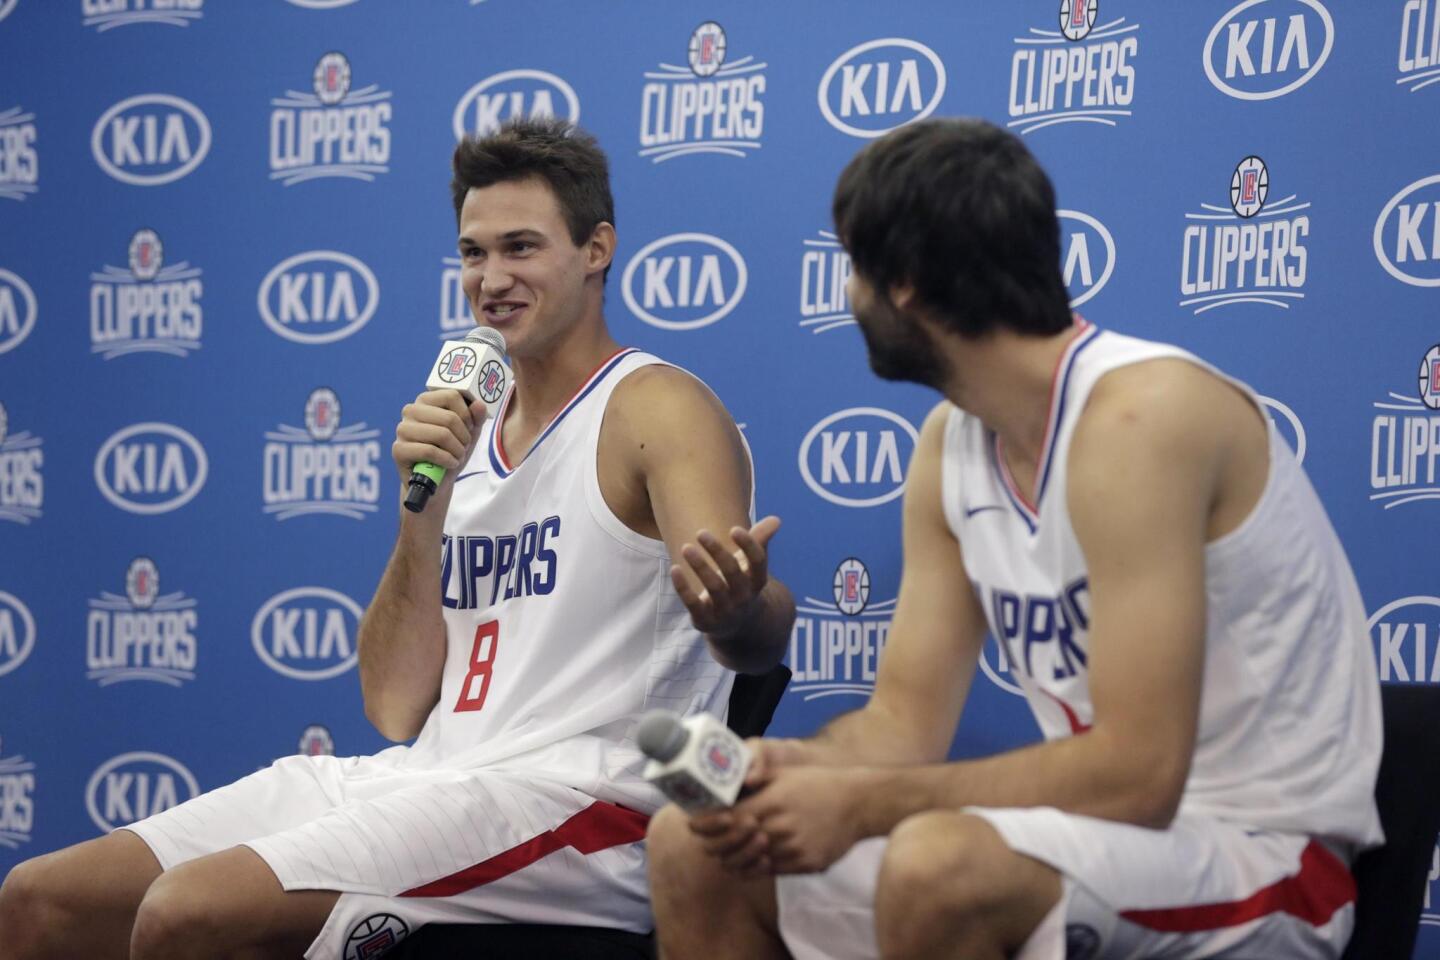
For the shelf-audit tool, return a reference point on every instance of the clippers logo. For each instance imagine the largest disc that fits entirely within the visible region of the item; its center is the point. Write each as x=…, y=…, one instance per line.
x=307, y=633
x=1406, y=633
x=336, y=132
x=142, y=635
x=824, y=272
x=22, y=485
x=711, y=107
x=1260, y=54
x=1041, y=637
x=151, y=139
x=720, y=758
x=1407, y=234
x=1081, y=73
x=319, y=296
x=1405, y=440
x=324, y=468
x=17, y=787
x=852, y=587
x=1419, y=44
x=477, y=572
x=1088, y=254
x=879, y=85
x=377, y=933
x=149, y=307
x=1288, y=424
x=316, y=741
x=456, y=364
x=513, y=93
x=1250, y=251
x=492, y=381
x=685, y=281
x=137, y=785
x=108, y=14
x=19, y=160
x=17, y=633
x=18, y=310
x=856, y=457
x=455, y=315
x=835, y=647
x=151, y=468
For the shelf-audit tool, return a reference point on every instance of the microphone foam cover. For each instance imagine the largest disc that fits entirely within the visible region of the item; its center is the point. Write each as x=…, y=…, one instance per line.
x=661, y=735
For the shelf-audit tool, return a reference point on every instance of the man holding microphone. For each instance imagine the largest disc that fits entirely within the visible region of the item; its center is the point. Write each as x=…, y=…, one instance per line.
x=587, y=555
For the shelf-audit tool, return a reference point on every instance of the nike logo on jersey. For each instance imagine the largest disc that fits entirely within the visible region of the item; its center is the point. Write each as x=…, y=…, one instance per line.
x=472, y=473
x=971, y=511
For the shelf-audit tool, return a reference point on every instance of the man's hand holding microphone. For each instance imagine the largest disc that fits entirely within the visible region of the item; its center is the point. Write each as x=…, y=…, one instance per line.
x=438, y=431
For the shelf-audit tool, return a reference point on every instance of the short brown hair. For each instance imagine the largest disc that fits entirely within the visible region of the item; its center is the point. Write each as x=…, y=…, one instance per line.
x=567, y=158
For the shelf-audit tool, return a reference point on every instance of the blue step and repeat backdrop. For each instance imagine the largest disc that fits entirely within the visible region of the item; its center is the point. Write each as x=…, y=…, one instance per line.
x=227, y=256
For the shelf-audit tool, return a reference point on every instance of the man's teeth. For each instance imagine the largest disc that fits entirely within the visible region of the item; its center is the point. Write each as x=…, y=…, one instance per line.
x=502, y=311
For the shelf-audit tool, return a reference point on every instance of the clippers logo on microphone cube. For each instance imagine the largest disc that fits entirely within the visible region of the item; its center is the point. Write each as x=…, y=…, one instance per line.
x=456, y=364
x=720, y=758
x=492, y=381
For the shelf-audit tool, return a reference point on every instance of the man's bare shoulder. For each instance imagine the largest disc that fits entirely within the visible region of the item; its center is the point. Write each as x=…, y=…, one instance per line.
x=1166, y=400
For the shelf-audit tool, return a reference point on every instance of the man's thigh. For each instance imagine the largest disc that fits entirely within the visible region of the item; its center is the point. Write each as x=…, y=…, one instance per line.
x=1199, y=889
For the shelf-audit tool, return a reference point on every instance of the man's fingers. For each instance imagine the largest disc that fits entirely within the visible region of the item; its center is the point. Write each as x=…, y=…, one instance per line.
x=765, y=529
x=709, y=577
x=694, y=602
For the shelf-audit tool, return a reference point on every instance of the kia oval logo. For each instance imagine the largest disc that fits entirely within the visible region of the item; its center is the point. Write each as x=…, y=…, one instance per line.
x=888, y=82
x=150, y=131
x=150, y=468
x=330, y=301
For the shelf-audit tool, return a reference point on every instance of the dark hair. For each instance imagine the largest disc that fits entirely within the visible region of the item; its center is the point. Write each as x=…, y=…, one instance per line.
x=961, y=211
x=567, y=158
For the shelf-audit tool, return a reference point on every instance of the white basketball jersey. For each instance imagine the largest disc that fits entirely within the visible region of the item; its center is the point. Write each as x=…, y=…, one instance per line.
x=1289, y=736
x=562, y=623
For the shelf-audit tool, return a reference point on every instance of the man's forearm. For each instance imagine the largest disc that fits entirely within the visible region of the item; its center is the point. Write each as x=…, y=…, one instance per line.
x=760, y=642
x=402, y=635
x=870, y=736
x=1083, y=774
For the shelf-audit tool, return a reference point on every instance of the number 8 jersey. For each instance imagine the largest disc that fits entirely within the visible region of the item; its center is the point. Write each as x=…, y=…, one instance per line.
x=562, y=625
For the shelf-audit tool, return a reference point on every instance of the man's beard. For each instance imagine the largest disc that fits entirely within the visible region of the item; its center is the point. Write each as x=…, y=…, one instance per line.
x=900, y=349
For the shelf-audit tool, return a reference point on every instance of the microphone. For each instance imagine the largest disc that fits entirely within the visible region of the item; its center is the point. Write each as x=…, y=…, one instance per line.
x=475, y=367
x=697, y=761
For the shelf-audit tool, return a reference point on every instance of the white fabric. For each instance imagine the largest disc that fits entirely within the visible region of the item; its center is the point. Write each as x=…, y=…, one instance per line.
x=1289, y=735
x=1107, y=868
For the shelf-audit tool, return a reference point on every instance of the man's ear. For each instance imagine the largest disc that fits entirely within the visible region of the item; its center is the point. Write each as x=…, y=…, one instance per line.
x=600, y=248
x=903, y=296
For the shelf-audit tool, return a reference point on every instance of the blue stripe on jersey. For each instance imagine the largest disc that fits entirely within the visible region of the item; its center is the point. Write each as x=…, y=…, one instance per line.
x=1020, y=508
x=595, y=378
x=1081, y=342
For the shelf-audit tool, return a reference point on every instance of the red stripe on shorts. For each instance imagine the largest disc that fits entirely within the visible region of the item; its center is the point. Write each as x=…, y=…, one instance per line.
x=1322, y=886
x=598, y=827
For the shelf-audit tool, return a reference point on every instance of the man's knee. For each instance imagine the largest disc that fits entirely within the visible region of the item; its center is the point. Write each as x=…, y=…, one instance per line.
x=27, y=909
x=946, y=869
x=671, y=847
x=174, y=920
x=940, y=861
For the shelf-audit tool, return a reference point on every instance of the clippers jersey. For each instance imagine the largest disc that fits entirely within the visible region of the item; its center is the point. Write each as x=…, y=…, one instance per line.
x=562, y=624
x=1289, y=730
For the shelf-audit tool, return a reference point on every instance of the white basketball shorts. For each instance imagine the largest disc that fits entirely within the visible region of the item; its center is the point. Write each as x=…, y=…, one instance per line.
x=1201, y=888
x=410, y=847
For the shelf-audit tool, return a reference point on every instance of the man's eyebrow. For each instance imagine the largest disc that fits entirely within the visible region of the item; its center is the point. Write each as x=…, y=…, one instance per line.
x=524, y=233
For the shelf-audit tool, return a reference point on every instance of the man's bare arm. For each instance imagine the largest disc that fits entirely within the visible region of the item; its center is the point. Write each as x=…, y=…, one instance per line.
x=402, y=635
x=1143, y=474
x=686, y=457
x=934, y=640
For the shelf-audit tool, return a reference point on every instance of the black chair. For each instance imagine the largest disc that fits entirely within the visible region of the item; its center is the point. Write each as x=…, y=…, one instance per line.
x=753, y=700
x=1391, y=879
